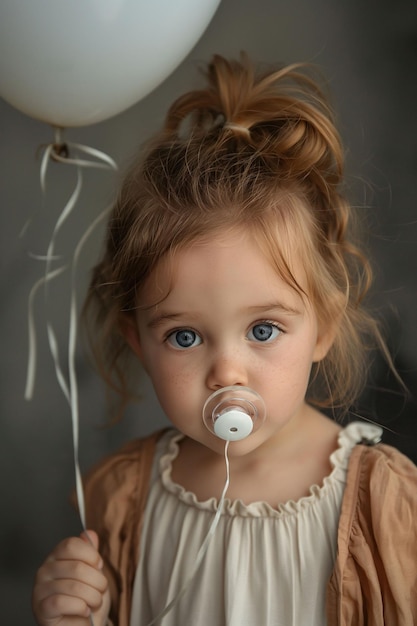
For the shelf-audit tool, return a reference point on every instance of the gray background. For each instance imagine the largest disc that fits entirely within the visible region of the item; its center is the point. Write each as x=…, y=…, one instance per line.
x=368, y=52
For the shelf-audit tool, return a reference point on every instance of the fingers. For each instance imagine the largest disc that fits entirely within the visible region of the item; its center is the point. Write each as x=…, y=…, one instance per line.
x=70, y=582
x=78, y=549
x=53, y=608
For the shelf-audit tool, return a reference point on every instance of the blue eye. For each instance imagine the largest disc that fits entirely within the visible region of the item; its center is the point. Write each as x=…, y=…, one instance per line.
x=183, y=339
x=263, y=332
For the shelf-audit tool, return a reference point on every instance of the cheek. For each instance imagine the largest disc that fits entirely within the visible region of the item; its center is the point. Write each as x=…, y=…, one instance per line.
x=291, y=361
x=173, y=384
x=287, y=372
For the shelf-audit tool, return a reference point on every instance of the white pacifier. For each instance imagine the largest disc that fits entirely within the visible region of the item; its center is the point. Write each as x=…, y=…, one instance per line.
x=233, y=413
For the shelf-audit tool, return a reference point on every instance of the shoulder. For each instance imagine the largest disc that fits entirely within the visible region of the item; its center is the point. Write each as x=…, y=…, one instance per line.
x=382, y=464
x=119, y=476
x=382, y=484
x=116, y=490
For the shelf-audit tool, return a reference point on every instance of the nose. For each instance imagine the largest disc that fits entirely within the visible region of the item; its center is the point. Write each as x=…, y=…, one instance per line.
x=225, y=370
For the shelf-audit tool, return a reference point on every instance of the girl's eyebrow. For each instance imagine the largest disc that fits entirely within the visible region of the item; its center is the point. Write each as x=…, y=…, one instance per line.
x=279, y=307
x=159, y=318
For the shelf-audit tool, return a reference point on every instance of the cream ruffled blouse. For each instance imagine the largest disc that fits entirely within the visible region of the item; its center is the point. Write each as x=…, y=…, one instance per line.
x=263, y=566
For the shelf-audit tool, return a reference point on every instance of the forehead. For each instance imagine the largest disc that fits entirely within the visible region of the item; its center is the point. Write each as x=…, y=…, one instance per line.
x=231, y=260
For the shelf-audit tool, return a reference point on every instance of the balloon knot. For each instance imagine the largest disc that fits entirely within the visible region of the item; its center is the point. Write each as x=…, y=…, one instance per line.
x=59, y=150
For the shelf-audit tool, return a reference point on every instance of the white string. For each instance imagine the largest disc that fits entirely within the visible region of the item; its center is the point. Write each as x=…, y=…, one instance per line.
x=51, y=152
x=30, y=378
x=53, y=343
x=203, y=548
x=72, y=344
x=69, y=386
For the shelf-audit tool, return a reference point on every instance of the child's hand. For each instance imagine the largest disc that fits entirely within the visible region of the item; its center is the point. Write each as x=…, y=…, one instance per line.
x=70, y=585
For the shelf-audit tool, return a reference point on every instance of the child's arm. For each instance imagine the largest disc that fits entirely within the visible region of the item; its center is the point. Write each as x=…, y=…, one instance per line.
x=70, y=584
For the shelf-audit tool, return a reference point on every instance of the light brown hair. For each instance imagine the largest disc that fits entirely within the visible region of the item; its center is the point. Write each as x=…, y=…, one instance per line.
x=258, y=151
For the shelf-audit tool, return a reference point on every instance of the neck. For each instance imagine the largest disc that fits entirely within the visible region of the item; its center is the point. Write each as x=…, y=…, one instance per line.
x=282, y=467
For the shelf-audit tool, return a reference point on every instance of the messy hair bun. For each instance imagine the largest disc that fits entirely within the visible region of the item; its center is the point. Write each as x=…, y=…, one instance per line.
x=282, y=113
x=256, y=151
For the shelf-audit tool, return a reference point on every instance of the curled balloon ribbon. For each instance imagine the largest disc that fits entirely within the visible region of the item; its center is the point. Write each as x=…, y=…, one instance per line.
x=60, y=152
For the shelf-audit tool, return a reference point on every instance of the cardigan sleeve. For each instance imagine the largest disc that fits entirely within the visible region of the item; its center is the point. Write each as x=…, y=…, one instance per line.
x=375, y=578
x=115, y=493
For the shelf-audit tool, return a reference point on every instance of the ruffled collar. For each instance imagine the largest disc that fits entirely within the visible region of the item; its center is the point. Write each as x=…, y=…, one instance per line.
x=351, y=435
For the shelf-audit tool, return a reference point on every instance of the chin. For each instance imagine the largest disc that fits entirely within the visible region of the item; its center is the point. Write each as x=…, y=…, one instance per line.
x=243, y=447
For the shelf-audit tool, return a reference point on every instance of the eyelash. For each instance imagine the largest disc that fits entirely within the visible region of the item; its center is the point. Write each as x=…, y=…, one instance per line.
x=275, y=325
x=174, y=332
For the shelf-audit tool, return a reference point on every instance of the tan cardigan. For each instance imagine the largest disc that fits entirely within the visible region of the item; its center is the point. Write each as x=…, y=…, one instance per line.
x=374, y=581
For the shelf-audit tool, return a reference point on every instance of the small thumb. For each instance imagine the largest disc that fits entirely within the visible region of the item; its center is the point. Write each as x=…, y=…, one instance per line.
x=91, y=537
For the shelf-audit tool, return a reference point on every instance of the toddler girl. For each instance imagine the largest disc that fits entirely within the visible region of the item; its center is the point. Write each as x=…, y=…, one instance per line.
x=230, y=267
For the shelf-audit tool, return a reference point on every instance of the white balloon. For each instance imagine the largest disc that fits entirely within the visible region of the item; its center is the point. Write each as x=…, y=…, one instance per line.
x=78, y=62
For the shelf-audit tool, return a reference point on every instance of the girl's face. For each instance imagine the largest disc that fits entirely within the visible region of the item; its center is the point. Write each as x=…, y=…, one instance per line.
x=228, y=319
